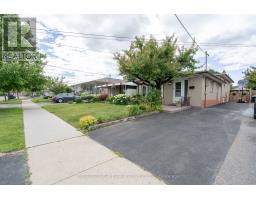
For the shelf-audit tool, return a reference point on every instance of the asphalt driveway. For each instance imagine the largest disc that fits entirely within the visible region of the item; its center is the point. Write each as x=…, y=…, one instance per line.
x=182, y=148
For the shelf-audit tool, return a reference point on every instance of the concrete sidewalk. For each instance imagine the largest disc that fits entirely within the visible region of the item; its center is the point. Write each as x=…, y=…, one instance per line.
x=59, y=154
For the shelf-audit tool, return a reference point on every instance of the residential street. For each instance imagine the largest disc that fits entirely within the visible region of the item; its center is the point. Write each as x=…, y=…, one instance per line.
x=13, y=169
x=198, y=146
x=59, y=154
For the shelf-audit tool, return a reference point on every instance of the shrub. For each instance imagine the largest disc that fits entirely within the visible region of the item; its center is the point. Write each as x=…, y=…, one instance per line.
x=137, y=99
x=153, y=98
x=103, y=97
x=78, y=100
x=134, y=110
x=88, y=98
x=84, y=94
x=110, y=99
x=87, y=121
x=121, y=99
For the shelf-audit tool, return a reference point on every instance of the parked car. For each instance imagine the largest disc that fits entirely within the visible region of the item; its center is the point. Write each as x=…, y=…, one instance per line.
x=64, y=97
x=11, y=96
x=47, y=95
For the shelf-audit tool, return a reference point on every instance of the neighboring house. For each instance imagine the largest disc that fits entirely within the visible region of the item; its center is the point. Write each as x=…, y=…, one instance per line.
x=91, y=87
x=203, y=89
x=122, y=87
x=108, y=86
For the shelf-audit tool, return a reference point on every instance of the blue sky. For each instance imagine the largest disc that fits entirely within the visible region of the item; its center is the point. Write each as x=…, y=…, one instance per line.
x=80, y=58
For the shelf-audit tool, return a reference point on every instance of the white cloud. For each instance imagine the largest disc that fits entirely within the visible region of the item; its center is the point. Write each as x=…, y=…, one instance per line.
x=97, y=55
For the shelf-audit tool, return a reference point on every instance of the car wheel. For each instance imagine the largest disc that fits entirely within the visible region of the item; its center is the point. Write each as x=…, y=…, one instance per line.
x=60, y=100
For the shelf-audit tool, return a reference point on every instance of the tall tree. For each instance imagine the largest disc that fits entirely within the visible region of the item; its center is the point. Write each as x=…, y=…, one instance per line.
x=57, y=85
x=250, y=76
x=17, y=75
x=153, y=63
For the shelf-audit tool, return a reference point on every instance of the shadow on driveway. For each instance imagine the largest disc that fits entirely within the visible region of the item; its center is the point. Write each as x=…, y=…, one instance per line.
x=182, y=148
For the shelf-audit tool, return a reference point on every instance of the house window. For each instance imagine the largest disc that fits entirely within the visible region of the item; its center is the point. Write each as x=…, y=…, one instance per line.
x=131, y=87
x=178, y=89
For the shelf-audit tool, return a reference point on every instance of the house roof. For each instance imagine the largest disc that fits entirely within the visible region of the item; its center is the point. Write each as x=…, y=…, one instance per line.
x=216, y=77
x=106, y=80
x=226, y=77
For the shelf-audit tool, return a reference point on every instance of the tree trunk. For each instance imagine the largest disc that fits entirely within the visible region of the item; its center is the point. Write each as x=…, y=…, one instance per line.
x=158, y=87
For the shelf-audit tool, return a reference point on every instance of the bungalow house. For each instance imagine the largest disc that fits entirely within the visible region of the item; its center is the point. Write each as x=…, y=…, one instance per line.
x=203, y=89
x=110, y=86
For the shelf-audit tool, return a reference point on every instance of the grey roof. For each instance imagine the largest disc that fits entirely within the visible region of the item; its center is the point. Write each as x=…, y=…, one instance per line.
x=106, y=80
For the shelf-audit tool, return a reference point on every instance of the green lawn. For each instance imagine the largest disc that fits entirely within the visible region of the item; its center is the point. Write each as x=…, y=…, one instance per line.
x=104, y=112
x=13, y=101
x=11, y=130
x=40, y=100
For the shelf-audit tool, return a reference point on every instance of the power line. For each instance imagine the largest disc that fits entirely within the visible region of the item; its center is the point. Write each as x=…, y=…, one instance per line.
x=129, y=39
x=193, y=39
x=77, y=70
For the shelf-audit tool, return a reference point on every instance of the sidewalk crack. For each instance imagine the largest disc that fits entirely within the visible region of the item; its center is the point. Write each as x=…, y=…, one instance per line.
x=68, y=177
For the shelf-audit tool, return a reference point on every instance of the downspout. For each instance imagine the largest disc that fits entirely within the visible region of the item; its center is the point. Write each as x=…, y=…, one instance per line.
x=204, y=92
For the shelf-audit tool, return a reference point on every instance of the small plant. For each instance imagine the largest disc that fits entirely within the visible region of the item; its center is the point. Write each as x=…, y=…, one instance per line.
x=87, y=121
x=134, y=110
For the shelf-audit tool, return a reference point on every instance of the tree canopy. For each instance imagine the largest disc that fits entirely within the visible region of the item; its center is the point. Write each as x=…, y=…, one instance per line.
x=18, y=75
x=153, y=63
x=57, y=85
x=250, y=76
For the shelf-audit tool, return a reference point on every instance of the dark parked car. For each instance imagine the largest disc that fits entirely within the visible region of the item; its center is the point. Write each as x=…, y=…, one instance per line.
x=64, y=97
x=10, y=96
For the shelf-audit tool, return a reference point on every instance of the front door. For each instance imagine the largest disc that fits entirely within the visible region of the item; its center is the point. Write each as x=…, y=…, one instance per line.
x=178, y=90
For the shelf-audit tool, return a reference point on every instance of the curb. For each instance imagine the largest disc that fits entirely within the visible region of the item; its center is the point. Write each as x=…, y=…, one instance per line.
x=123, y=120
x=11, y=153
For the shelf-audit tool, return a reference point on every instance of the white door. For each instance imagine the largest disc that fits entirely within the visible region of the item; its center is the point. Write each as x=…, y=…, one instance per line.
x=178, y=90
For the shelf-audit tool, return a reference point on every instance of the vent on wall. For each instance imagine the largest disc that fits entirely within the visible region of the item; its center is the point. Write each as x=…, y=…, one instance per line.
x=191, y=87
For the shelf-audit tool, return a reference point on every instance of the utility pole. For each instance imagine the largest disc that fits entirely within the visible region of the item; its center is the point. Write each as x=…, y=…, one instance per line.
x=206, y=63
x=206, y=68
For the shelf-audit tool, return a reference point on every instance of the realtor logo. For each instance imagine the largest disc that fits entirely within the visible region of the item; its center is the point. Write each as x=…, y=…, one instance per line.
x=18, y=39
x=19, y=34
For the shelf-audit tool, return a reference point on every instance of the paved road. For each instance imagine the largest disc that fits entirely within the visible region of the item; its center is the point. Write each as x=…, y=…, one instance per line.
x=59, y=154
x=190, y=147
x=13, y=169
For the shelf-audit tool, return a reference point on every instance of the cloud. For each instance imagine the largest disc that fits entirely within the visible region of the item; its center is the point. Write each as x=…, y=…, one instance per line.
x=80, y=54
